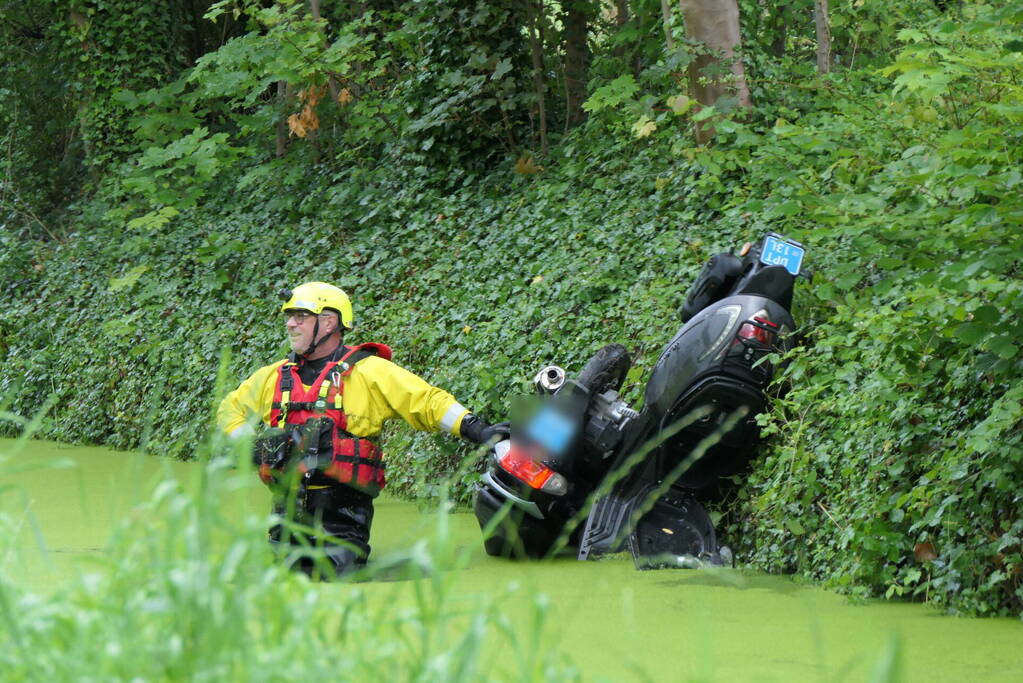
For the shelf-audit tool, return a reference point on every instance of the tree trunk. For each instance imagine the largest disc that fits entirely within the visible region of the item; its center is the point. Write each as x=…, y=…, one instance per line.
x=780, y=28
x=820, y=16
x=621, y=19
x=715, y=23
x=335, y=92
x=577, y=57
x=80, y=21
x=666, y=13
x=282, y=122
x=536, y=8
x=194, y=28
x=78, y=18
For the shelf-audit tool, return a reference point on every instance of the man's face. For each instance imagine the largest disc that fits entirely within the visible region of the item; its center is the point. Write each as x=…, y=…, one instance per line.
x=300, y=325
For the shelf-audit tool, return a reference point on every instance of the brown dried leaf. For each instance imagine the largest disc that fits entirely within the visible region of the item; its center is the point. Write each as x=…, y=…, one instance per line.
x=302, y=124
x=311, y=96
x=924, y=552
x=314, y=95
x=312, y=121
x=344, y=97
x=296, y=126
x=527, y=166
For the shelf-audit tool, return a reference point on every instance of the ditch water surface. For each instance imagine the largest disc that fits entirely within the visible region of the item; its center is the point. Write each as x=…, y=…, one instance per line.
x=614, y=622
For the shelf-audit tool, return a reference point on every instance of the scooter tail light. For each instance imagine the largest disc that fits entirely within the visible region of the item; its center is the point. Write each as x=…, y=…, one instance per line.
x=759, y=329
x=520, y=465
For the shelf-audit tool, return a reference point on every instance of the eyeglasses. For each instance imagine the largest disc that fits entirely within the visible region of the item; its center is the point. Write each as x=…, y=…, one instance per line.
x=299, y=316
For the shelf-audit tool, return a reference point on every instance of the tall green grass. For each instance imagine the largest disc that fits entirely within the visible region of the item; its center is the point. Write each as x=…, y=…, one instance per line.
x=189, y=590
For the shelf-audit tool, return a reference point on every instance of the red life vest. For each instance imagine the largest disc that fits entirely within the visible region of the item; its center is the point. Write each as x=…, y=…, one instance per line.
x=355, y=461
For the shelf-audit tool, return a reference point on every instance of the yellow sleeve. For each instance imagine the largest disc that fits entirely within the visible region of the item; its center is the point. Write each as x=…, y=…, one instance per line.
x=250, y=400
x=397, y=392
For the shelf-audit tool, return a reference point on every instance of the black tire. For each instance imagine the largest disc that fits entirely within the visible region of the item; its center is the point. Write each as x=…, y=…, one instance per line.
x=606, y=370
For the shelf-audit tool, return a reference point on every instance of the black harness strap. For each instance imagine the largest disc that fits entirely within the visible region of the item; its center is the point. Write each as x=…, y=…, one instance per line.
x=357, y=463
x=359, y=460
x=355, y=358
x=286, y=386
x=294, y=405
x=287, y=383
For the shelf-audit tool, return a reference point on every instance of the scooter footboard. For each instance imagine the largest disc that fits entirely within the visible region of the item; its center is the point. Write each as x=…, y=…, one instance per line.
x=667, y=530
x=607, y=518
x=676, y=531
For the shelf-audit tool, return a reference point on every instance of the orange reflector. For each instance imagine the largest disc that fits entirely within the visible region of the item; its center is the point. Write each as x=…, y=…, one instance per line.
x=520, y=465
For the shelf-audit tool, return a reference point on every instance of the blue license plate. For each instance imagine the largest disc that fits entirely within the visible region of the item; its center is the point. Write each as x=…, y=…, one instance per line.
x=777, y=252
x=551, y=430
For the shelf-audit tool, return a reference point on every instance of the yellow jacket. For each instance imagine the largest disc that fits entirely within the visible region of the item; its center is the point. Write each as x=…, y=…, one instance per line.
x=376, y=390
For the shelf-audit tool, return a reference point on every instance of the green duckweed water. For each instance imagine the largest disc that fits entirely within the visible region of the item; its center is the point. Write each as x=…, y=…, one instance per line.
x=615, y=623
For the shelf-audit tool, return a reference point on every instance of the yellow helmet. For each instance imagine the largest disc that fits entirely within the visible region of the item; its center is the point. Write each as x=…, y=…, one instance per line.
x=315, y=297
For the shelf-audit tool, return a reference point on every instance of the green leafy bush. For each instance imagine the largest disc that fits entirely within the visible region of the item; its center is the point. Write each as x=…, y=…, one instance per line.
x=898, y=458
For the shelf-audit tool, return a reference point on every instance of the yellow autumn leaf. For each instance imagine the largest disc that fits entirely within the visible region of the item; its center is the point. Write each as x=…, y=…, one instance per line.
x=526, y=165
x=680, y=104
x=467, y=329
x=537, y=279
x=643, y=127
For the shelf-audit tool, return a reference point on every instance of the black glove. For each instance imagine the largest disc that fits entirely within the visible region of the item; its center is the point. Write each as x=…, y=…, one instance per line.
x=270, y=454
x=480, y=431
x=272, y=448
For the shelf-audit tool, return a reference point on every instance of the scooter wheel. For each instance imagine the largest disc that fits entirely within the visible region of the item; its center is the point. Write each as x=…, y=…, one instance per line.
x=606, y=370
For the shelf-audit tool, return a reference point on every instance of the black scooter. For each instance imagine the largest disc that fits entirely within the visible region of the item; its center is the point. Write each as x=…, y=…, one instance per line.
x=585, y=471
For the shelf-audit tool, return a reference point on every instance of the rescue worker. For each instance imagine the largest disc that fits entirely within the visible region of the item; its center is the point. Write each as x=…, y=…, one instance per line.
x=326, y=404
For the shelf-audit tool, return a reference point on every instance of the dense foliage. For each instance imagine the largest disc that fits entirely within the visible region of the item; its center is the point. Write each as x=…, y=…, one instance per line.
x=399, y=154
